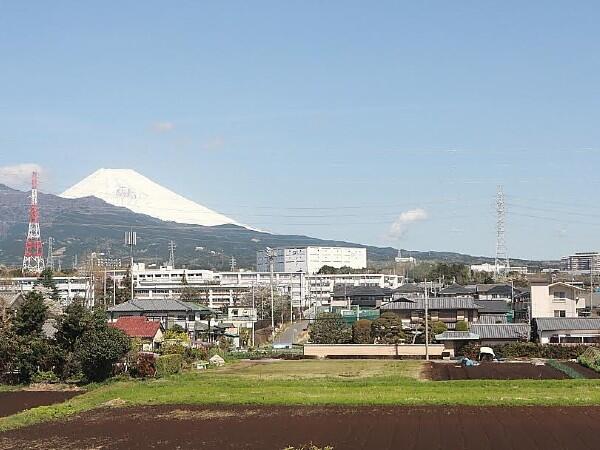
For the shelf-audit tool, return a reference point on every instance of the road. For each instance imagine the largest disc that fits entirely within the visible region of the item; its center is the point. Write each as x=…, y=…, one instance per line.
x=291, y=333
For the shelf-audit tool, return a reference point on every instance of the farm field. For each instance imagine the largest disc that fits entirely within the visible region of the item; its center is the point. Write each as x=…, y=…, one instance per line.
x=279, y=427
x=357, y=388
x=495, y=371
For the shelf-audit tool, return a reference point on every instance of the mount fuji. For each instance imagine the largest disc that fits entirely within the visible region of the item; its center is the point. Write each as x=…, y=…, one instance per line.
x=132, y=190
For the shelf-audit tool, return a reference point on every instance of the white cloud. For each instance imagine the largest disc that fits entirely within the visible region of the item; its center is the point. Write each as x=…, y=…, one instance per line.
x=400, y=226
x=18, y=176
x=163, y=127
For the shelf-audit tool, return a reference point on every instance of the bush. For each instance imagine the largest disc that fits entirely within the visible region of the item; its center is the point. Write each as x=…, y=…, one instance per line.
x=590, y=358
x=462, y=325
x=329, y=328
x=45, y=377
x=361, y=332
x=528, y=350
x=145, y=366
x=168, y=365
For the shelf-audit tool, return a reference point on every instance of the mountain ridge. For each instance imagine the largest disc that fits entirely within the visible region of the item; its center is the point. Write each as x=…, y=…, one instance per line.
x=90, y=224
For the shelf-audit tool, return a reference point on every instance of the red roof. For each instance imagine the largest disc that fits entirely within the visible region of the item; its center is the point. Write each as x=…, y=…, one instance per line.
x=137, y=326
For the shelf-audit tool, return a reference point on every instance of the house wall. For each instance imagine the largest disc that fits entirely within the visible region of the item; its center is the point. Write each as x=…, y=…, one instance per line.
x=374, y=350
x=546, y=337
x=545, y=300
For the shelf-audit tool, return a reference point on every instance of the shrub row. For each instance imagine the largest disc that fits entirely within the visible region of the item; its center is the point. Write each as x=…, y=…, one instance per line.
x=168, y=365
x=529, y=350
x=590, y=358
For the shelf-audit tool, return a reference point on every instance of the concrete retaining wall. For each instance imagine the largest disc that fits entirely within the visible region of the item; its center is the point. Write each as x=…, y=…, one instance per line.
x=373, y=350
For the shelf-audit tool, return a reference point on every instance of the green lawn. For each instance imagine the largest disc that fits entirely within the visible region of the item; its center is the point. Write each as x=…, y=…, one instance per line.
x=310, y=382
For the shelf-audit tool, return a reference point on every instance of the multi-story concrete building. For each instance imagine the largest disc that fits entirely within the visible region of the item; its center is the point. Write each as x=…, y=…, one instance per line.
x=310, y=259
x=581, y=261
x=68, y=287
x=217, y=289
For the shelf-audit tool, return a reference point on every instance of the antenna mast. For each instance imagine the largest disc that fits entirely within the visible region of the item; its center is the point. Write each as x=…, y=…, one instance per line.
x=33, y=259
x=172, y=254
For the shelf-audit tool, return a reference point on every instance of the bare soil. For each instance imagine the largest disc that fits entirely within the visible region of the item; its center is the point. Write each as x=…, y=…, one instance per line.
x=12, y=402
x=247, y=427
x=494, y=371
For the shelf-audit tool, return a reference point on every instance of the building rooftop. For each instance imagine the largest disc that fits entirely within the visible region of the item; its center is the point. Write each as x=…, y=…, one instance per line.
x=137, y=326
x=567, y=323
x=434, y=303
x=457, y=289
x=493, y=306
x=168, y=305
x=501, y=330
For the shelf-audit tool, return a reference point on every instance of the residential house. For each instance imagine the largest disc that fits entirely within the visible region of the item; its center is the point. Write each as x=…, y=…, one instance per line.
x=485, y=335
x=567, y=330
x=138, y=327
x=444, y=309
x=556, y=300
x=456, y=290
x=168, y=312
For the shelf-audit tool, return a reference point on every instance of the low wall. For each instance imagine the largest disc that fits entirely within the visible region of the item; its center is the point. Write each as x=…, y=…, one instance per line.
x=373, y=350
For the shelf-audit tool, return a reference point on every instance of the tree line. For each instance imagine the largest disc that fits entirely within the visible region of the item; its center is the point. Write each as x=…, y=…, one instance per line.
x=83, y=347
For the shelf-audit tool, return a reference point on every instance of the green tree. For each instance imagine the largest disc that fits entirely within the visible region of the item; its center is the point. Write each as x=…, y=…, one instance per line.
x=9, y=352
x=462, y=325
x=46, y=279
x=387, y=329
x=361, y=332
x=71, y=326
x=31, y=315
x=329, y=328
x=98, y=349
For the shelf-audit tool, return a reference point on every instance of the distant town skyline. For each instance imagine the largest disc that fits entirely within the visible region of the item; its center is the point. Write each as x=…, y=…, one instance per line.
x=387, y=124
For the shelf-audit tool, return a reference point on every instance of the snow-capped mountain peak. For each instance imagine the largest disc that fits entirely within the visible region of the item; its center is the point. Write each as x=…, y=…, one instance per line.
x=130, y=189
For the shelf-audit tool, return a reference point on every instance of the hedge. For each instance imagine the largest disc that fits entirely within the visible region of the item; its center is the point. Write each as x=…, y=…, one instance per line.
x=529, y=350
x=590, y=358
x=168, y=365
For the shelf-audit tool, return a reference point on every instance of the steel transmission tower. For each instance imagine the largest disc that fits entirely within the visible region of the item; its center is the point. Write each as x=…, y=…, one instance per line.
x=33, y=260
x=233, y=264
x=50, y=258
x=171, y=254
x=501, y=254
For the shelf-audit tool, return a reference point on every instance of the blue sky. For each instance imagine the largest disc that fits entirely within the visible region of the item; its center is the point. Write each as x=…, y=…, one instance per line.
x=324, y=118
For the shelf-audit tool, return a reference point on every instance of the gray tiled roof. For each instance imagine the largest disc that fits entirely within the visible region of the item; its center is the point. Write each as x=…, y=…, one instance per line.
x=493, y=306
x=567, y=323
x=501, y=330
x=457, y=289
x=456, y=336
x=434, y=303
x=491, y=318
x=156, y=305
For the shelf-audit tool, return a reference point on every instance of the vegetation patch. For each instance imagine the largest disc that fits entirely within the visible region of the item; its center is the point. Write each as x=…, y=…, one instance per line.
x=568, y=370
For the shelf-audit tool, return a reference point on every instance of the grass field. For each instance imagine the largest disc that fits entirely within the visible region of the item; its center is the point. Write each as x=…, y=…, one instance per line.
x=311, y=382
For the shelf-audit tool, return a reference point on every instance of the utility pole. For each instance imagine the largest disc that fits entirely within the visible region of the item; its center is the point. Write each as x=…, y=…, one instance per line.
x=271, y=254
x=426, y=323
x=131, y=241
x=50, y=258
x=254, y=314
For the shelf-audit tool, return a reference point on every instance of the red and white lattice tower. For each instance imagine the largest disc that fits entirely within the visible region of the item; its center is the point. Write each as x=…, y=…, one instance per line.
x=33, y=260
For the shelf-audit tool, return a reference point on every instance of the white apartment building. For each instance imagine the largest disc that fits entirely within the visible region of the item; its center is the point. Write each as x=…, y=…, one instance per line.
x=310, y=259
x=219, y=289
x=556, y=300
x=68, y=287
